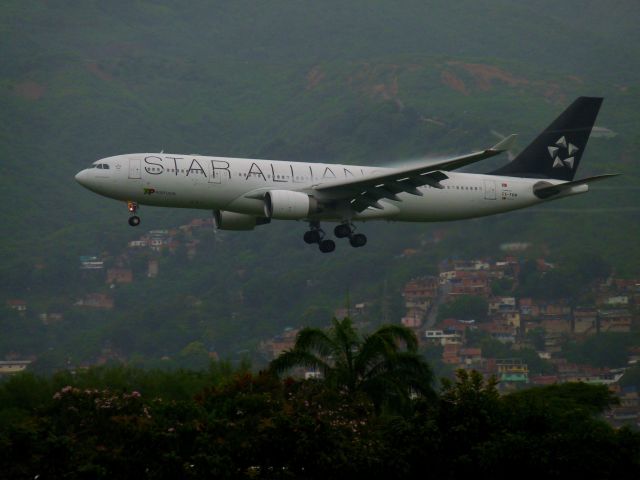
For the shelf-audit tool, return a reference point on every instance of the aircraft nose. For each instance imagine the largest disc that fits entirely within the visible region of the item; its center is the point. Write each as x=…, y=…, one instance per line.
x=84, y=178
x=81, y=177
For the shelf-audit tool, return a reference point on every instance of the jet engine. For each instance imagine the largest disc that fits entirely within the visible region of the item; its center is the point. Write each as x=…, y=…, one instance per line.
x=224, y=220
x=289, y=205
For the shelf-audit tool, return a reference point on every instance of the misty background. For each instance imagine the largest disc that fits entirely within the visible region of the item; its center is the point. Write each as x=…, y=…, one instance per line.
x=366, y=82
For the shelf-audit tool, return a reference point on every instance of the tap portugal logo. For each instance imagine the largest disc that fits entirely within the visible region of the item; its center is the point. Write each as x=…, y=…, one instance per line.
x=149, y=191
x=562, y=153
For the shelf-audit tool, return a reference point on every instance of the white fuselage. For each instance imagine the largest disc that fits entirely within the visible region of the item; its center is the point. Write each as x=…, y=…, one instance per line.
x=235, y=184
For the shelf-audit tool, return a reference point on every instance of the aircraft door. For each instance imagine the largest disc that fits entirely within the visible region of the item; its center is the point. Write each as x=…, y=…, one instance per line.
x=489, y=189
x=134, y=168
x=219, y=170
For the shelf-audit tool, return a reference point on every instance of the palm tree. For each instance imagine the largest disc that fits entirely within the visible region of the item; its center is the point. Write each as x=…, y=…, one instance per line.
x=385, y=366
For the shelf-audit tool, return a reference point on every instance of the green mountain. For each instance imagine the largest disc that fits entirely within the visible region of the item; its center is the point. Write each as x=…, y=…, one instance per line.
x=362, y=82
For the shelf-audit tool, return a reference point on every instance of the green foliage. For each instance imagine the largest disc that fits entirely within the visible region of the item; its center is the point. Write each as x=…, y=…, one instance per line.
x=631, y=377
x=127, y=423
x=465, y=307
x=375, y=365
x=576, y=273
x=602, y=350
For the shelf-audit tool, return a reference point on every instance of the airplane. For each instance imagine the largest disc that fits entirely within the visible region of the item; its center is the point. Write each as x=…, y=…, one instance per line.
x=244, y=193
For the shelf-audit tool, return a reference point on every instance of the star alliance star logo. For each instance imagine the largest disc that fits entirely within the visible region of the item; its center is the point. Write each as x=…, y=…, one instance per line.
x=569, y=149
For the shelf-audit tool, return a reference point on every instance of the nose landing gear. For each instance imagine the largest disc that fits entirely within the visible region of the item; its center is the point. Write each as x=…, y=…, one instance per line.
x=134, y=220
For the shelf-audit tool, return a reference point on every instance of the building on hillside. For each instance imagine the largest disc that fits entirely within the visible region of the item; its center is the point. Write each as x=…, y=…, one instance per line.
x=439, y=337
x=529, y=309
x=91, y=262
x=141, y=243
x=450, y=354
x=470, y=358
x=9, y=367
x=512, y=372
x=614, y=320
x=153, y=268
x=119, y=275
x=462, y=282
x=584, y=320
x=96, y=300
x=555, y=334
x=420, y=292
x=50, y=318
x=279, y=343
x=413, y=318
x=502, y=305
x=514, y=247
x=499, y=331
x=18, y=305
x=555, y=309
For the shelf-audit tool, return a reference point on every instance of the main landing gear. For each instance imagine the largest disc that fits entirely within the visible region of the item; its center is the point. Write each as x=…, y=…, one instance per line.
x=134, y=220
x=344, y=230
x=316, y=235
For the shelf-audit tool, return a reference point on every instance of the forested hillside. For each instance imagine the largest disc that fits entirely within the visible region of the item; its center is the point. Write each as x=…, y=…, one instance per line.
x=362, y=82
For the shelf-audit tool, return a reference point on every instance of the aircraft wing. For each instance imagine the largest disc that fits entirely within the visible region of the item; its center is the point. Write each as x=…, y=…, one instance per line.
x=366, y=191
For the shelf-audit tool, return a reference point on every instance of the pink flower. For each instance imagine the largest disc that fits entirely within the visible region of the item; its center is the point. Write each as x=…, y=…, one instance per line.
x=135, y=394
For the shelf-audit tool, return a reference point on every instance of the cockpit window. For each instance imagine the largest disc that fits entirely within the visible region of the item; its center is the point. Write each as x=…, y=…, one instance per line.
x=99, y=166
x=105, y=166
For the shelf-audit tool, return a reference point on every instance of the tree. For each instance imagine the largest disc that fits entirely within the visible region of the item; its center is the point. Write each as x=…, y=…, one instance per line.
x=375, y=366
x=465, y=307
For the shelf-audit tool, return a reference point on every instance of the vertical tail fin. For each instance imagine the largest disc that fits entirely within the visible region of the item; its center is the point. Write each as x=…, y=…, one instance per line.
x=557, y=151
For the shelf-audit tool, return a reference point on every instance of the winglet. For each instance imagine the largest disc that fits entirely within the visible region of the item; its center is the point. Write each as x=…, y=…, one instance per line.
x=505, y=144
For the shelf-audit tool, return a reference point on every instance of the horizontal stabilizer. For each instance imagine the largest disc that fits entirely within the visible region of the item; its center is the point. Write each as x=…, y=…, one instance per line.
x=546, y=190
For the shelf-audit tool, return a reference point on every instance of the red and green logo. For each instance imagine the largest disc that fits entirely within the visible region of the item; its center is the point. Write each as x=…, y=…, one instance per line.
x=149, y=191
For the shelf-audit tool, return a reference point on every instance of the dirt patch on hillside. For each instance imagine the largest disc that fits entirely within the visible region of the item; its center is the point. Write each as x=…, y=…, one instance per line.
x=30, y=90
x=377, y=81
x=94, y=68
x=485, y=75
x=453, y=82
x=314, y=77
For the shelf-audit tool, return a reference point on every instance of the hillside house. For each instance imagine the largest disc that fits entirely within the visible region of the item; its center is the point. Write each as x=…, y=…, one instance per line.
x=153, y=268
x=463, y=282
x=279, y=343
x=512, y=372
x=584, y=320
x=529, y=309
x=119, y=275
x=500, y=332
x=10, y=367
x=614, y=320
x=470, y=357
x=450, y=354
x=439, y=337
x=413, y=318
x=501, y=305
x=420, y=292
x=91, y=262
x=18, y=305
x=96, y=300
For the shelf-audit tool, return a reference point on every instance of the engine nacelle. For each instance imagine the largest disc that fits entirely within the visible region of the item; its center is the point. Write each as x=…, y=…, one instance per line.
x=224, y=220
x=288, y=205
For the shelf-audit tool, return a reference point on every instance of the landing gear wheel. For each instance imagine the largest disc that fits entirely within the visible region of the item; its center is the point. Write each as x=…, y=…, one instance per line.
x=358, y=240
x=312, y=236
x=327, y=246
x=343, y=230
x=134, y=221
